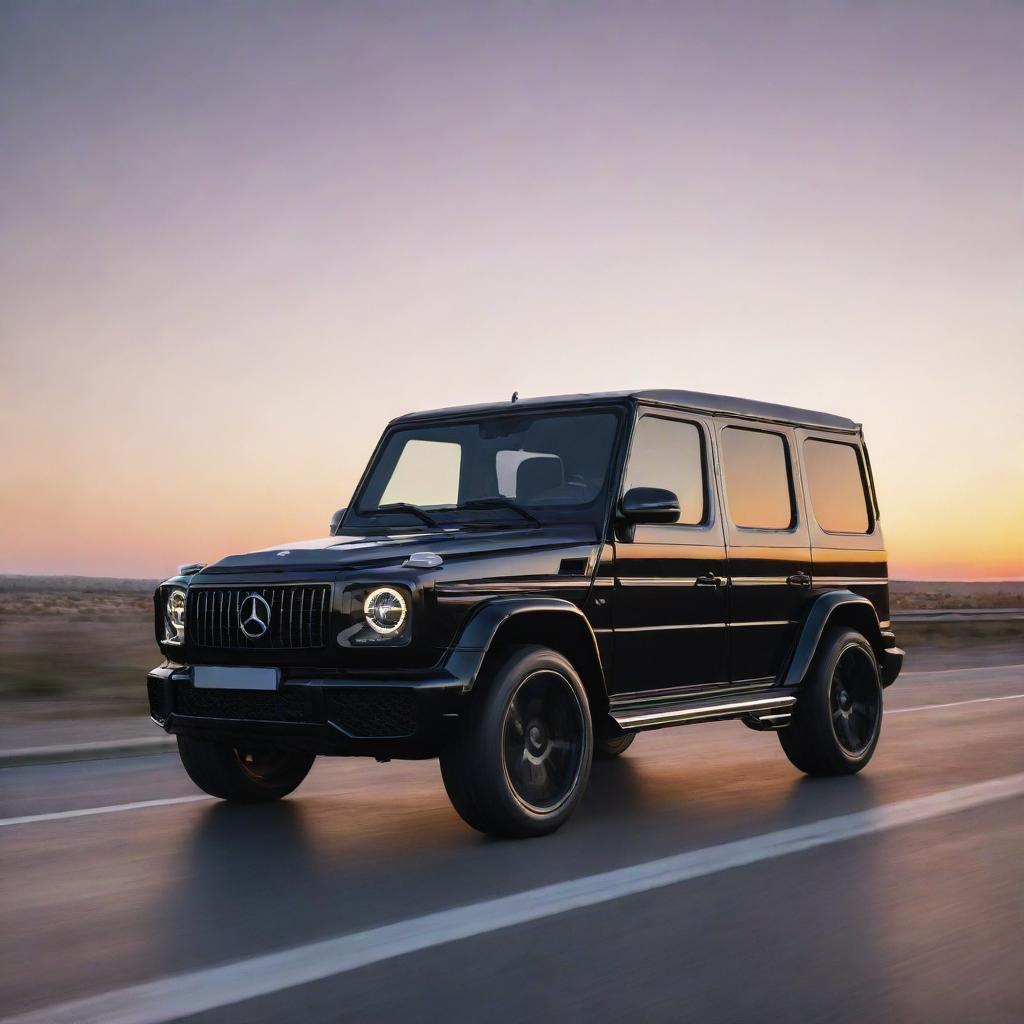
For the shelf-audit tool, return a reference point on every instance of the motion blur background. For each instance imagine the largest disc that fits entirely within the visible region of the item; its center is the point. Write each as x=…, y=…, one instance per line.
x=237, y=238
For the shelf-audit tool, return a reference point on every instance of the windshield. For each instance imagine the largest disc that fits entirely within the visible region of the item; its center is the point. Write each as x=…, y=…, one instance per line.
x=523, y=468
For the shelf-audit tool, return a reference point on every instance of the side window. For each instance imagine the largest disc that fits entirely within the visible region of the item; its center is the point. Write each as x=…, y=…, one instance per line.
x=670, y=454
x=836, y=484
x=427, y=473
x=755, y=470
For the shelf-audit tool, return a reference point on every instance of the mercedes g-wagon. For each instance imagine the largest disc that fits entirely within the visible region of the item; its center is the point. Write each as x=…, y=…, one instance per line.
x=521, y=587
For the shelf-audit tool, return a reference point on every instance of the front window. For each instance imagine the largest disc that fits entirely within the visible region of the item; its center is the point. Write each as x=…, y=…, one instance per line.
x=520, y=466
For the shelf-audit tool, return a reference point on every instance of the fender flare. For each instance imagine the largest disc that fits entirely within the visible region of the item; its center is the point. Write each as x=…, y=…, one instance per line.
x=466, y=657
x=816, y=621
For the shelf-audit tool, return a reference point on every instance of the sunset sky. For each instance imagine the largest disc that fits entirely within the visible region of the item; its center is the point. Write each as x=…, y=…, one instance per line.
x=237, y=238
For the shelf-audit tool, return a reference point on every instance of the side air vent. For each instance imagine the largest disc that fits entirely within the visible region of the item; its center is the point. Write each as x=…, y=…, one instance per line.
x=573, y=567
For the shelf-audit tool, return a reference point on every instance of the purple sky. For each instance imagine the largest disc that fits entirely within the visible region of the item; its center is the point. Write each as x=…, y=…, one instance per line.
x=236, y=239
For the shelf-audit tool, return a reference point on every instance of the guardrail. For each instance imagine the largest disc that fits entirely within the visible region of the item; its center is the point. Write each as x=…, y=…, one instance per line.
x=959, y=615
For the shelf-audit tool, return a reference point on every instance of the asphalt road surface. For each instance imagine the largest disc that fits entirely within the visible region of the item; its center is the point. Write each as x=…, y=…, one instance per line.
x=703, y=879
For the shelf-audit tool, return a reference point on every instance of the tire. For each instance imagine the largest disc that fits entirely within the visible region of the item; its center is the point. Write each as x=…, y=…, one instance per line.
x=520, y=759
x=837, y=718
x=607, y=747
x=242, y=775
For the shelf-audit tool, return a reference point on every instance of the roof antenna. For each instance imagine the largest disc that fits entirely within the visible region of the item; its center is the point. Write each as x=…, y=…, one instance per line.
x=515, y=397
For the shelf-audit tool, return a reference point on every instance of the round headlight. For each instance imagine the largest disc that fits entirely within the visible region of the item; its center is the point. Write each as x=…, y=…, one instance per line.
x=176, y=616
x=385, y=610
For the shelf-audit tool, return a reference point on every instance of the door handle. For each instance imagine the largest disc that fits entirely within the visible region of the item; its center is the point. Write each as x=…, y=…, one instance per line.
x=709, y=579
x=799, y=579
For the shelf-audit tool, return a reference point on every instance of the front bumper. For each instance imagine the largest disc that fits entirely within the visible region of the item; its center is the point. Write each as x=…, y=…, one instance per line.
x=406, y=717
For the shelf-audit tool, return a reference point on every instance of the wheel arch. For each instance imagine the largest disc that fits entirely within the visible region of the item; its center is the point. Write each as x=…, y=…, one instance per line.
x=549, y=622
x=835, y=608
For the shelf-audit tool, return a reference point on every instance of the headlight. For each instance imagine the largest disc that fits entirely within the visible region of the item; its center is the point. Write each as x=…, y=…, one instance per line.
x=175, y=617
x=385, y=610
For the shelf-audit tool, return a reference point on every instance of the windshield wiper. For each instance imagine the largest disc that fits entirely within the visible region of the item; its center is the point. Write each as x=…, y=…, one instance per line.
x=404, y=506
x=500, y=502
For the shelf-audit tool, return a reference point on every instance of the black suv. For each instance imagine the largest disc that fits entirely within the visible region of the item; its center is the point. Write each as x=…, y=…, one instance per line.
x=518, y=588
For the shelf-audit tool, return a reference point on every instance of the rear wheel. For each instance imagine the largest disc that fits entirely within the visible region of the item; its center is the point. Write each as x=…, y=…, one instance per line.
x=607, y=747
x=838, y=715
x=520, y=760
x=254, y=773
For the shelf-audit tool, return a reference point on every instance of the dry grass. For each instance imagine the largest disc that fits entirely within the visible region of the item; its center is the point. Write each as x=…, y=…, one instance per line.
x=907, y=595
x=74, y=639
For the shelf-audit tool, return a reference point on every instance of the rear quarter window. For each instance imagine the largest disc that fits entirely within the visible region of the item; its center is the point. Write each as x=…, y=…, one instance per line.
x=835, y=482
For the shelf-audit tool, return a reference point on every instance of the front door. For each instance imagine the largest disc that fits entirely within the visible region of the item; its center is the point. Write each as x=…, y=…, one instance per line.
x=769, y=546
x=671, y=585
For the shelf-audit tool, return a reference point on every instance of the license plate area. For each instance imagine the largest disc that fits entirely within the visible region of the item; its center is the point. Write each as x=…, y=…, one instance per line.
x=227, y=677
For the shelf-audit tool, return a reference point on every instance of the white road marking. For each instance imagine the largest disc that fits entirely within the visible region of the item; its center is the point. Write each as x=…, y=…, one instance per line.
x=952, y=704
x=170, y=998
x=958, y=671
x=85, y=812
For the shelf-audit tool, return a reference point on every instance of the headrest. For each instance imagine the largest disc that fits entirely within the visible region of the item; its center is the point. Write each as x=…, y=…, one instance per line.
x=537, y=475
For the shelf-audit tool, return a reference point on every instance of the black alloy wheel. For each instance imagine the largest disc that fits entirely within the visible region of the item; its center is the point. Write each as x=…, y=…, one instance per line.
x=520, y=759
x=837, y=718
x=543, y=741
x=854, y=699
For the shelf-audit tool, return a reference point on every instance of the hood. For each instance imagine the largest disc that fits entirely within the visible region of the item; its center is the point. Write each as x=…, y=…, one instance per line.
x=359, y=551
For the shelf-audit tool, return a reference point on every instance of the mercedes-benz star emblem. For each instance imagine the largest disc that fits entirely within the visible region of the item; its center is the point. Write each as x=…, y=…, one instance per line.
x=254, y=616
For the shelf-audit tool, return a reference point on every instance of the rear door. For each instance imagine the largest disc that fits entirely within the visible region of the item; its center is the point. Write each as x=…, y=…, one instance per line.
x=846, y=539
x=768, y=545
x=671, y=583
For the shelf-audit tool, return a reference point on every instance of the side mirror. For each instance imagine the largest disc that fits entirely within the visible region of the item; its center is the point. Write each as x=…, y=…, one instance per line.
x=336, y=520
x=649, y=505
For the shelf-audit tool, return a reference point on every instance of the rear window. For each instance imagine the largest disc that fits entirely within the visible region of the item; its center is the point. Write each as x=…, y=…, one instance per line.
x=755, y=469
x=836, y=486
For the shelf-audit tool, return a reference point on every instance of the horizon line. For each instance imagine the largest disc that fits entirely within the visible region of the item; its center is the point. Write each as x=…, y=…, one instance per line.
x=145, y=579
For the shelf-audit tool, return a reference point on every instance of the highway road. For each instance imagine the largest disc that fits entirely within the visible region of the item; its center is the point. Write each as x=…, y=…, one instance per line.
x=702, y=880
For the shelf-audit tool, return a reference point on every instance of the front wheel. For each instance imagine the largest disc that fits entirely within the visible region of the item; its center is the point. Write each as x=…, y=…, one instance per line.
x=249, y=774
x=521, y=757
x=838, y=714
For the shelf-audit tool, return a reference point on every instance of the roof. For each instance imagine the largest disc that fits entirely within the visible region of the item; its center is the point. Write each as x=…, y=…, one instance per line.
x=693, y=400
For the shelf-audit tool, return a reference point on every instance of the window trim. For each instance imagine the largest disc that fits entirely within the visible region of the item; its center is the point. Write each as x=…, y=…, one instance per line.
x=709, y=521
x=794, y=505
x=866, y=491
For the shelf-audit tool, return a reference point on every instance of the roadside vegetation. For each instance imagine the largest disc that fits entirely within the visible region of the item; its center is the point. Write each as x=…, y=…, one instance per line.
x=73, y=645
x=911, y=595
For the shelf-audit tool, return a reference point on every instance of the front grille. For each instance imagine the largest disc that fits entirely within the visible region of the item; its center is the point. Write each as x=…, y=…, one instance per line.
x=372, y=711
x=287, y=705
x=298, y=617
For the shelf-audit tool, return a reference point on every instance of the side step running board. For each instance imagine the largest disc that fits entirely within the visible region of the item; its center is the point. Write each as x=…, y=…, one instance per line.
x=758, y=710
